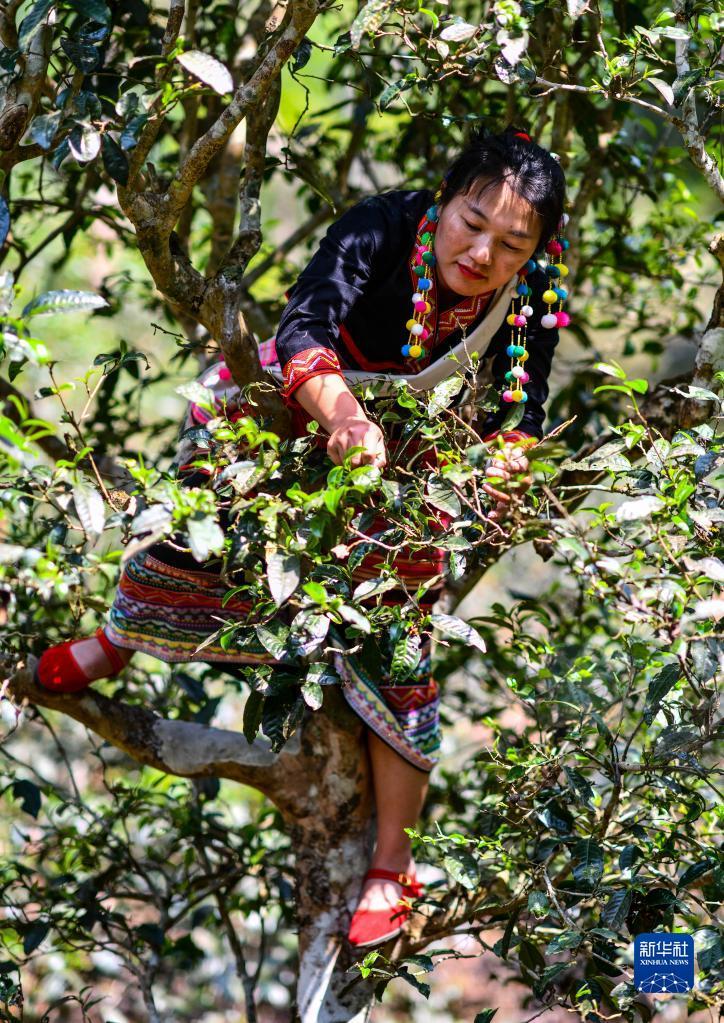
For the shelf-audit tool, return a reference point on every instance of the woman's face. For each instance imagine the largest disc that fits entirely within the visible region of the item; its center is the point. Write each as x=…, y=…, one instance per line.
x=481, y=241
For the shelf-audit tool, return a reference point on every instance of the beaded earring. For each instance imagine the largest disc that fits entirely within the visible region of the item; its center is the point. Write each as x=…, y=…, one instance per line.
x=554, y=267
x=423, y=263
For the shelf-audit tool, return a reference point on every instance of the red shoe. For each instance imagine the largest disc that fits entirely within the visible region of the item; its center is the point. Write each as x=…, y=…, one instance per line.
x=59, y=671
x=373, y=926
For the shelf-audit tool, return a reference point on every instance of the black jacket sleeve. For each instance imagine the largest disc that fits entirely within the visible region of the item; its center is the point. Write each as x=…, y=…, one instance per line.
x=355, y=252
x=541, y=344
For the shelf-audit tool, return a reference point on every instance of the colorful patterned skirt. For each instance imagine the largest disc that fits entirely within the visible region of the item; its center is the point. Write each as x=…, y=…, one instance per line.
x=169, y=605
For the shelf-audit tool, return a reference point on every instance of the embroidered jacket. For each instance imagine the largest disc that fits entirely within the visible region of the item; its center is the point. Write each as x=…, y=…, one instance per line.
x=349, y=307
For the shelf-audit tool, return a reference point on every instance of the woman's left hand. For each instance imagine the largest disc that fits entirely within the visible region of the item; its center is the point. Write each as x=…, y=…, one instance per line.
x=506, y=465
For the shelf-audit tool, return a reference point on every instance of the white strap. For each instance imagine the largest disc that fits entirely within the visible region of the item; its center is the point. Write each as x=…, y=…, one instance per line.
x=457, y=360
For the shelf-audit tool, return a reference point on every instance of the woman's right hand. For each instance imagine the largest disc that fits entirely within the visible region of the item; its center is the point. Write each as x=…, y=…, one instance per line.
x=358, y=431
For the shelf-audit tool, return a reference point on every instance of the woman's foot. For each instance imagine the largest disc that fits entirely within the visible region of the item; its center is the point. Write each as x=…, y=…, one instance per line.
x=72, y=666
x=384, y=905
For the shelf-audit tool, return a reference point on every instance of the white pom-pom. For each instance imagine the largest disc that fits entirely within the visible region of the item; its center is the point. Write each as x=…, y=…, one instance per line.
x=564, y=219
x=418, y=328
x=517, y=371
x=527, y=310
x=418, y=297
x=549, y=321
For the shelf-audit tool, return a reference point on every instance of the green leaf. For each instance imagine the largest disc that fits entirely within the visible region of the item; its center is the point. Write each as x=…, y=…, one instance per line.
x=355, y=618
x=611, y=368
x=424, y=989
x=274, y=639
x=443, y=393
x=208, y=70
x=312, y=693
x=405, y=657
x=253, y=709
x=44, y=128
x=29, y=796
x=695, y=871
x=538, y=904
x=582, y=789
x=455, y=628
x=283, y=575
x=205, y=536
x=300, y=57
x=82, y=55
x=588, y=861
x=85, y=143
x=65, y=301
x=94, y=10
x=31, y=22
x=565, y=940
x=628, y=856
x=115, y=160
x=89, y=508
x=34, y=935
x=548, y=976
x=373, y=587
x=369, y=20
x=4, y=221
x=683, y=84
x=442, y=496
x=502, y=947
x=659, y=686
x=463, y=868
x=639, y=508
x=458, y=30
x=615, y=911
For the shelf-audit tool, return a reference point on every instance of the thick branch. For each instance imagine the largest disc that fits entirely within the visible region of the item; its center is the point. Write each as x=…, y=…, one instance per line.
x=175, y=747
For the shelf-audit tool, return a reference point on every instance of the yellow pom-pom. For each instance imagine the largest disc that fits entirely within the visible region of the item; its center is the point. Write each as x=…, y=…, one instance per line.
x=428, y=308
x=410, y=324
x=549, y=297
x=517, y=395
x=510, y=319
x=562, y=269
x=523, y=357
x=415, y=351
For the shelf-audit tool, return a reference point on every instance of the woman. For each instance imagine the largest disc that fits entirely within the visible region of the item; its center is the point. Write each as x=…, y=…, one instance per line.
x=458, y=251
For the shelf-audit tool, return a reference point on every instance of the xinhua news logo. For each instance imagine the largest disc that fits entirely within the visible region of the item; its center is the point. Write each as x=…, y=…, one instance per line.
x=664, y=963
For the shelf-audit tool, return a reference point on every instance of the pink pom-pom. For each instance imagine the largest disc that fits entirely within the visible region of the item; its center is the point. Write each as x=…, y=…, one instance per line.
x=224, y=373
x=508, y=396
x=523, y=378
x=554, y=248
x=520, y=321
x=420, y=307
x=563, y=319
x=425, y=334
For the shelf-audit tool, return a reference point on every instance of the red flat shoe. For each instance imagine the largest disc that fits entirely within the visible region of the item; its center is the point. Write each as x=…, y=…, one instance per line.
x=373, y=926
x=59, y=671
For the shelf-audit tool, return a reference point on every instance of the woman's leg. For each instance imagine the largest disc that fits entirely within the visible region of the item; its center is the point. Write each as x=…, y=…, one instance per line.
x=400, y=791
x=93, y=660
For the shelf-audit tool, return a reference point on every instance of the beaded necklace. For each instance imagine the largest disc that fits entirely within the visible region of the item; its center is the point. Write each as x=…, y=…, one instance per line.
x=423, y=263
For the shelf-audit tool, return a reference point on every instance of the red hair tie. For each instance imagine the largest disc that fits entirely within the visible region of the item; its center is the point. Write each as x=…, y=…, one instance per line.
x=522, y=135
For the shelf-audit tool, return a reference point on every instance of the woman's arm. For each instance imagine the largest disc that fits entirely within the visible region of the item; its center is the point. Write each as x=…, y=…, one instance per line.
x=328, y=399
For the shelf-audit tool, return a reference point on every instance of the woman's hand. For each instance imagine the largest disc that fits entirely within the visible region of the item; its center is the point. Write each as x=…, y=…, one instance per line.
x=354, y=432
x=507, y=462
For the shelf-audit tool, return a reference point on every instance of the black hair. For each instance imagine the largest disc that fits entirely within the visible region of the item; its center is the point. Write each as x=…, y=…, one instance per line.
x=490, y=158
